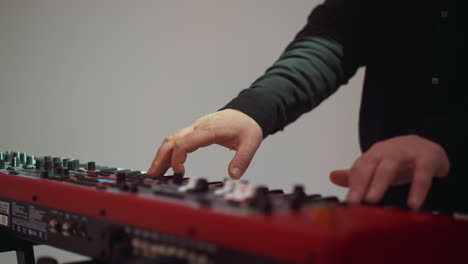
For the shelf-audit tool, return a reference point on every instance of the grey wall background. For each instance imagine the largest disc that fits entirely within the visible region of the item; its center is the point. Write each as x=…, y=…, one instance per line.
x=108, y=80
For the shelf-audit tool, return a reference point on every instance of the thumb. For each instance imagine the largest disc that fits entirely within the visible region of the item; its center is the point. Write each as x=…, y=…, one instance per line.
x=340, y=177
x=242, y=159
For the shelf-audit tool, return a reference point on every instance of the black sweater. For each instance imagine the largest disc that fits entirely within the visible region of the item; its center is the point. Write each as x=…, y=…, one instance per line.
x=411, y=50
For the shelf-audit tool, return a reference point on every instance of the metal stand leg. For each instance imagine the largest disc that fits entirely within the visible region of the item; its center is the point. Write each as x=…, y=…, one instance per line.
x=24, y=250
x=25, y=255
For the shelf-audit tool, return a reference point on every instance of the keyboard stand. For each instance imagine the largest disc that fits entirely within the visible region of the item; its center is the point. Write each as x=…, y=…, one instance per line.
x=24, y=250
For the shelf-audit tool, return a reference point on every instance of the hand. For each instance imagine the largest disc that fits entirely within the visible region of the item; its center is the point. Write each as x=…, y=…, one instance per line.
x=395, y=161
x=229, y=128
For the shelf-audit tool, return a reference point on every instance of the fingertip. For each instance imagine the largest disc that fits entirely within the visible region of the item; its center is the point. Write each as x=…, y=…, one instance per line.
x=340, y=177
x=235, y=173
x=414, y=202
x=179, y=168
x=353, y=197
x=150, y=171
x=373, y=196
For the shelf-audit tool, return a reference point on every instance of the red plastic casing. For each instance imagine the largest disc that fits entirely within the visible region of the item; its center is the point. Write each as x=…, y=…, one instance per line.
x=339, y=234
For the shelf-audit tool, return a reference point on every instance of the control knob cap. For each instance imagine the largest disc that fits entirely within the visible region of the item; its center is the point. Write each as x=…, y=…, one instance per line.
x=91, y=166
x=298, y=198
x=48, y=166
x=14, y=162
x=201, y=186
x=72, y=165
x=29, y=160
x=261, y=200
x=39, y=165
x=121, y=177
x=177, y=178
x=65, y=163
x=22, y=158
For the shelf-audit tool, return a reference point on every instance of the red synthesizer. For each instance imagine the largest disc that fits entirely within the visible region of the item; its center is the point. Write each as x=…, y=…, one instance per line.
x=114, y=215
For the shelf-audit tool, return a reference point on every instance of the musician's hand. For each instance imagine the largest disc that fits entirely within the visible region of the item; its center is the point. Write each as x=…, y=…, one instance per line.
x=229, y=128
x=395, y=161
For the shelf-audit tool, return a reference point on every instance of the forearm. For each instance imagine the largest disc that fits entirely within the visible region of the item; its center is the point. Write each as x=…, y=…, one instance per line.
x=309, y=71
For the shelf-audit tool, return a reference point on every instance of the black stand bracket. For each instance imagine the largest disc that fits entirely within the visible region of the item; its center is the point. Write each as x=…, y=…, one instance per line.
x=24, y=249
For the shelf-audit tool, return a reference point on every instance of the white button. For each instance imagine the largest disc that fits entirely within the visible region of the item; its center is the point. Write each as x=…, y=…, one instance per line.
x=435, y=81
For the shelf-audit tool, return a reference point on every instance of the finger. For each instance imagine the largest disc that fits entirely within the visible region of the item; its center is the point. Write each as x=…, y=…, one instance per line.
x=340, y=177
x=360, y=177
x=242, y=158
x=189, y=143
x=162, y=160
x=384, y=175
x=403, y=177
x=422, y=181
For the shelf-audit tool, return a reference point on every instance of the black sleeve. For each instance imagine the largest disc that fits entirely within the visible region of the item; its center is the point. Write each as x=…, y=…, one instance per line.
x=322, y=56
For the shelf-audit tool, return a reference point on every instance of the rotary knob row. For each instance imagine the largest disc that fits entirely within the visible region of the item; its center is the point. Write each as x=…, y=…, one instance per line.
x=50, y=164
x=15, y=160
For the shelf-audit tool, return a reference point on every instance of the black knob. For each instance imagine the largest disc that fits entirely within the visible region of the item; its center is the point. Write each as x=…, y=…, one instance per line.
x=29, y=160
x=178, y=178
x=121, y=177
x=47, y=158
x=7, y=156
x=65, y=163
x=22, y=158
x=201, y=186
x=39, y=165
x=297, y=198
x=65, y=172
x=14, y=162
x=58, y=170
x=264, y=205
x=77, y=162
x=2, y=164
x=16, y=155
x=261, y=191
x=299, y=191
x=57, y=165
x=91, y=166
x=261, y=200
x=72, y=165
x=48, y=165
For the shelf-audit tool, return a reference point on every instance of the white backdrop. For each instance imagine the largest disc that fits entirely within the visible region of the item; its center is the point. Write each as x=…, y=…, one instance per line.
x=108, y=80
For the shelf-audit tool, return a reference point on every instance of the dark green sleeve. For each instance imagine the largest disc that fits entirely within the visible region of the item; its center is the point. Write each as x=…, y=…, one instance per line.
x=308, y=71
